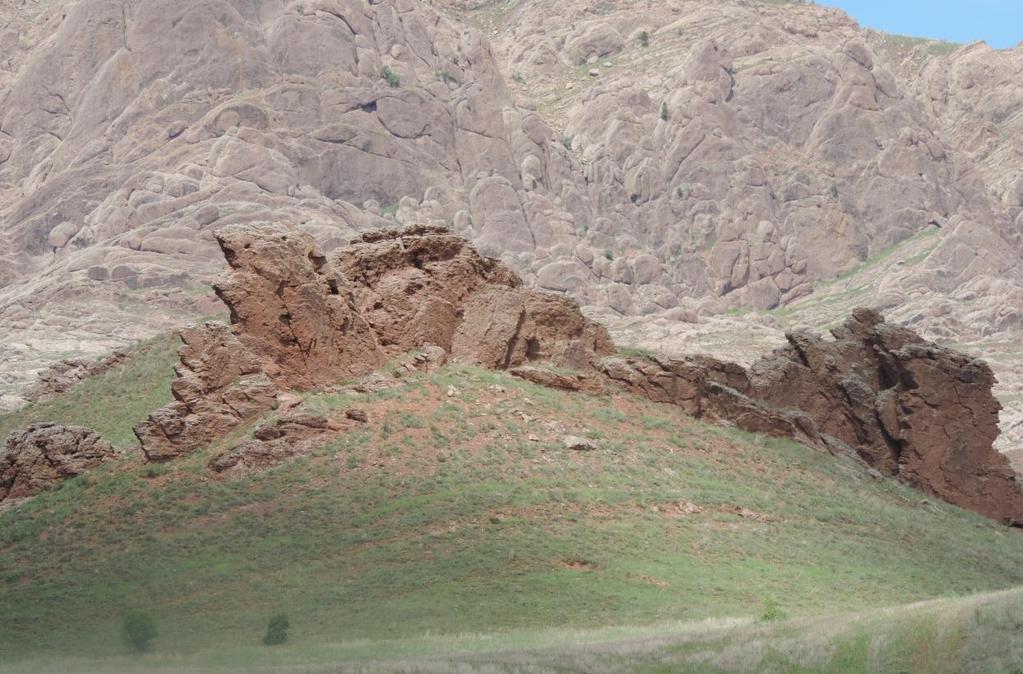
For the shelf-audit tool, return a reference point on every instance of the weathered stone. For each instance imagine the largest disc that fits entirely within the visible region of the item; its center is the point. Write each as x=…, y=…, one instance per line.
x=291, y=309
x=276, y=441
x=220, y=385
x=42, y=455
x=908, y=407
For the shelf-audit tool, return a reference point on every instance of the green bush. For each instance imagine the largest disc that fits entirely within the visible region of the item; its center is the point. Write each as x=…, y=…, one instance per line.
x=277, y=630
x=772, y=611
x=664, y=111
x=390, y=77
x=138, y=630
x=567, y=142
x=608, y=254
x=644, y=39
x=447, y=77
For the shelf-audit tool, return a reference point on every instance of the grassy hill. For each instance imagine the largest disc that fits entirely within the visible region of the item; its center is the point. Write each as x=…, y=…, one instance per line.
x=463, y=514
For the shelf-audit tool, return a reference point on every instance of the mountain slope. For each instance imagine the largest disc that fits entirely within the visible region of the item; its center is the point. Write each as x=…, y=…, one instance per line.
x=450, y=513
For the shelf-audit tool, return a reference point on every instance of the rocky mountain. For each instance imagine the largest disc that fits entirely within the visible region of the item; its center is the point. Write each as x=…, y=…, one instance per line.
x=667, y=159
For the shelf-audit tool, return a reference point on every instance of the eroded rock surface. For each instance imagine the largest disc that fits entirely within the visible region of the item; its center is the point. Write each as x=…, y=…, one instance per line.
x=425, y=285
x=276, y=441
x=40, y=456
x=303, y=321
x=291, y=308
x=220, y=385
x=908, y=407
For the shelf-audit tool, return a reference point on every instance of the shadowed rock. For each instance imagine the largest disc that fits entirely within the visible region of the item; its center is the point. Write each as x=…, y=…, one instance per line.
x=908, y=407
x=42, y=455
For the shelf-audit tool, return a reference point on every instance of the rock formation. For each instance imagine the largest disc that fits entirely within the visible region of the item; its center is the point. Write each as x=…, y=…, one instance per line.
x=219, y=386
x=291, y=309
x=274, y=442
x=908, y=407
x=425, y=285
x=302, y=321
x=42, y=455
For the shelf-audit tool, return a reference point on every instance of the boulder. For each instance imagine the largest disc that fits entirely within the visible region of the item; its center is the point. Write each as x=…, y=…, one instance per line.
x=42, y=455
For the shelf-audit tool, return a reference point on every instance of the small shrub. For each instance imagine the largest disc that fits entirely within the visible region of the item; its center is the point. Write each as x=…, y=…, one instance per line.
x=681, y=192
x=608, y=254
x=138, y=630
x=156, y=470
x=567, y=142
x=644, y=39
x=664, y=112
x=390, y=77
x=772, y=611
x=834, y=191
x=447, y=77
x=277, y=630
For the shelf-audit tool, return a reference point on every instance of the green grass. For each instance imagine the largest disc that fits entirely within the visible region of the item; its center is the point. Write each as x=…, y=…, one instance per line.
x=439, y=518
x=113, y=402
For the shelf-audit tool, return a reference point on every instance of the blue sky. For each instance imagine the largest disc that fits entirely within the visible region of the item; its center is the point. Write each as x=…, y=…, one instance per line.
x=998, y=22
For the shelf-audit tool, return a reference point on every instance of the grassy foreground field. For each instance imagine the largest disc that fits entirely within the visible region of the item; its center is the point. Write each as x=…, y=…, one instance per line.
x=463, y=514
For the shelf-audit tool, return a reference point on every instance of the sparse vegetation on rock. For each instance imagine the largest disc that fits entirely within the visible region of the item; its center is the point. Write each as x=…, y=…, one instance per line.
x=390, y=77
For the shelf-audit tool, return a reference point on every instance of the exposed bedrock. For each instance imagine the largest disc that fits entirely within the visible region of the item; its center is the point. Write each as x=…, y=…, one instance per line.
x=220, y=385
x=906, y=406
x=302, y=321
x=42, y=455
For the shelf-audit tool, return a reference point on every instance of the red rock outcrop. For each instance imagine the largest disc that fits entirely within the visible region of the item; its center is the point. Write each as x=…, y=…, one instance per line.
x=424, y=285
x=220, y=385
x=301, y=321
x=291, y=309
x=42, y=455
x=276, y=441
x=908, y=407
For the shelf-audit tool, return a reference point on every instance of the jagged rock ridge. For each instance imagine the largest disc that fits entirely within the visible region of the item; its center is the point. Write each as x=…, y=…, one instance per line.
x=908, y=407
x=303, y=321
